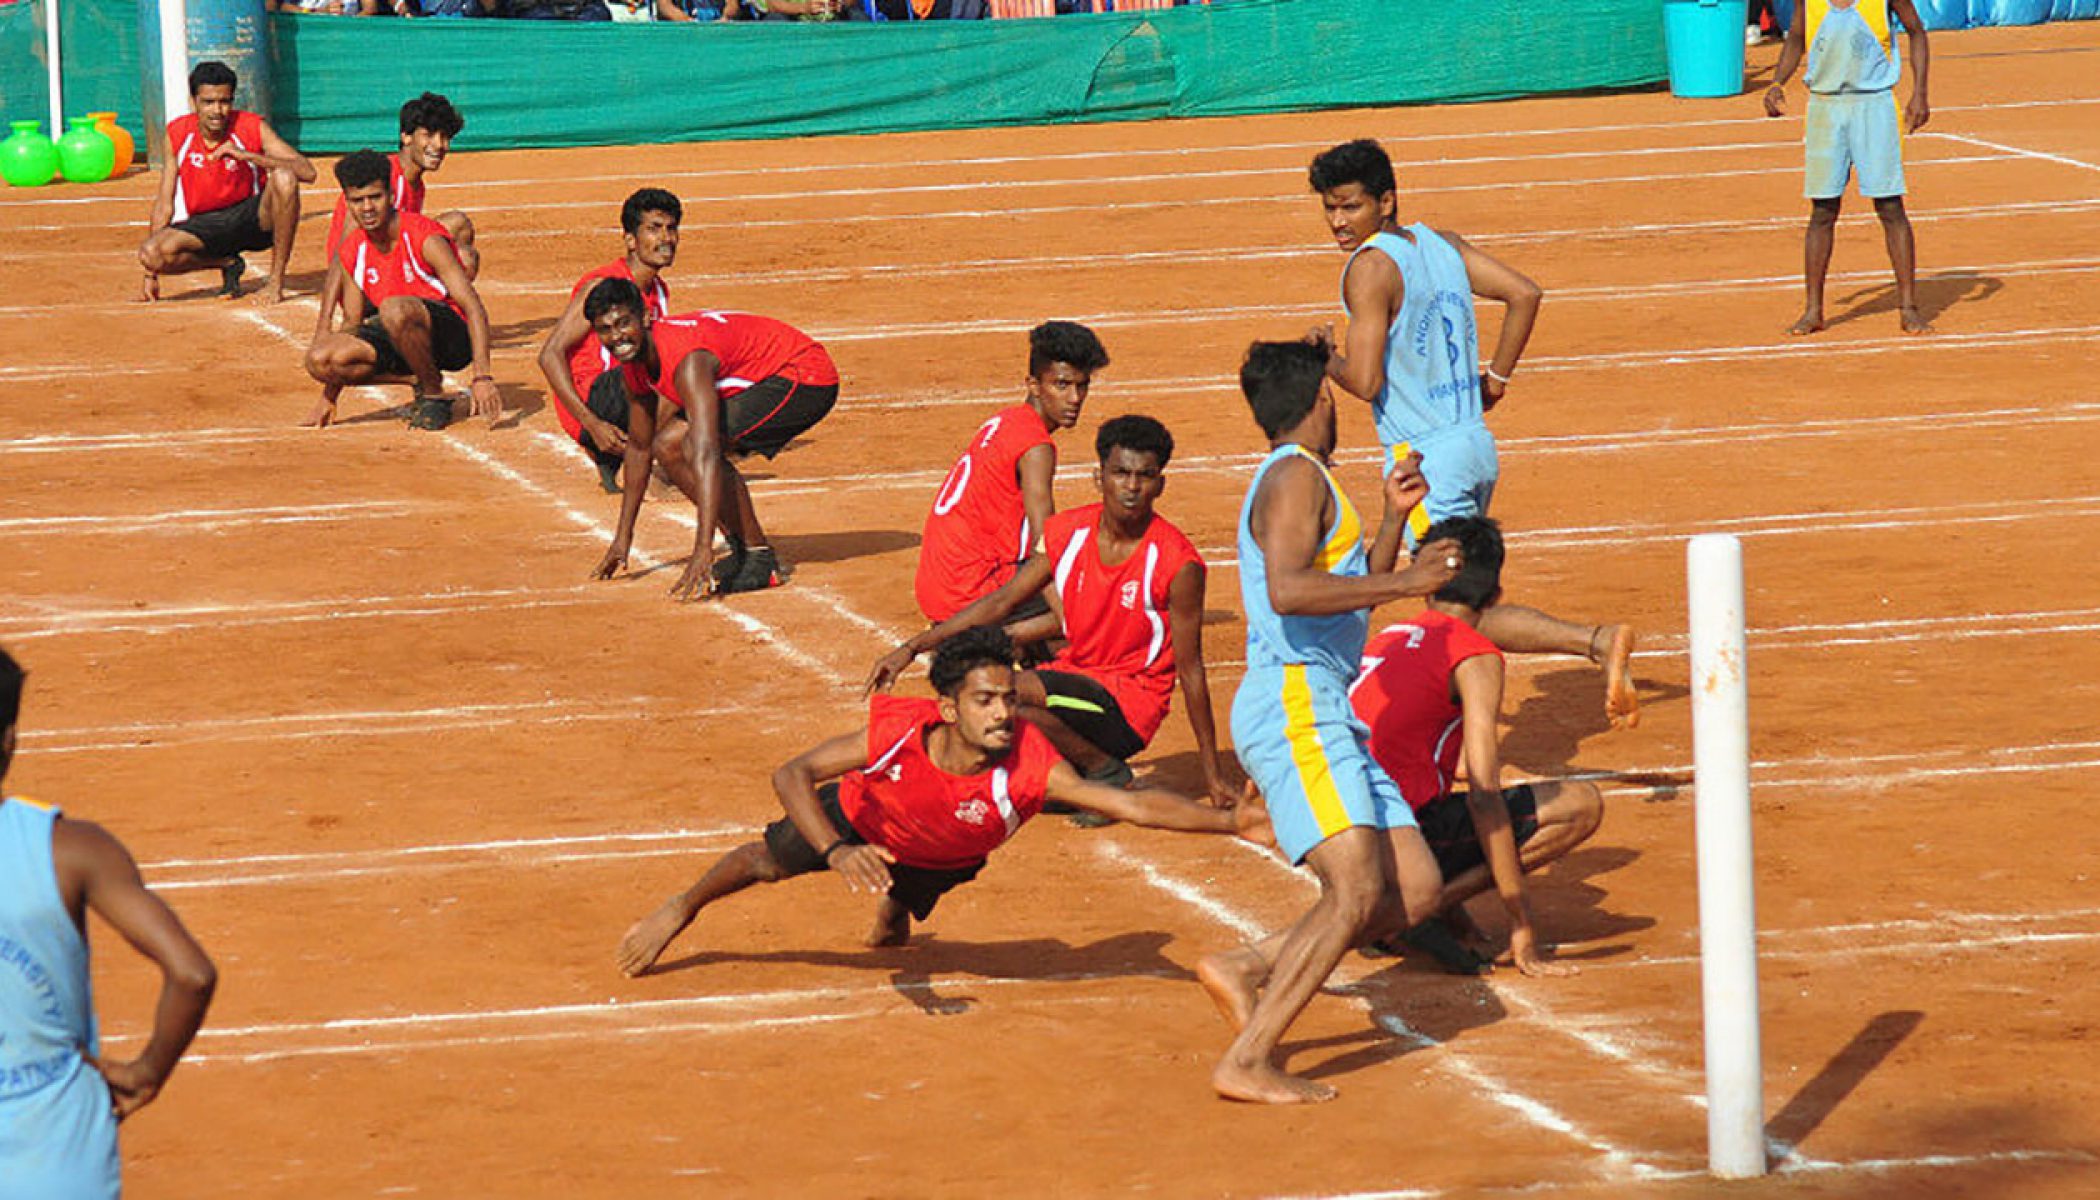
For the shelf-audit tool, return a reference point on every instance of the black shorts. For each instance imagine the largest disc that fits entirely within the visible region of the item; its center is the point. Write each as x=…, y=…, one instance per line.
x=765, y=417
x=450, y=341
x=227, y=231
x=1090, y=710
x=1448, y=828
x=607, y=400
x=918, y=889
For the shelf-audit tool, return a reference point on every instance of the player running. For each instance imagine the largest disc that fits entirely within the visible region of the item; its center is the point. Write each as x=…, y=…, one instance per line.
x=590, y=398
x=732, y=384
x=910, y=807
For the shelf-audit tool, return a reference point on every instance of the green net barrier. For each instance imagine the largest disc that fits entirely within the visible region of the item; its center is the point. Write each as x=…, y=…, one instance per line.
x=340, y=81
x=99, y=40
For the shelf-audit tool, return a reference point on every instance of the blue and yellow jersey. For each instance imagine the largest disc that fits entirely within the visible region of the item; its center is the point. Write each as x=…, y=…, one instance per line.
x=1851, y=47
x=1331, y=643
x=1432, y=347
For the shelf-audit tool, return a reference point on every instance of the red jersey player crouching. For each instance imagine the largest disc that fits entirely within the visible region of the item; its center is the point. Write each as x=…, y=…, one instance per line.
x=424, y=316
x=1431, y=691
x=922, y=797
x=992, y=508
x=590, y=398
x=1130, y=589
x=428, y=125
x=732, y=384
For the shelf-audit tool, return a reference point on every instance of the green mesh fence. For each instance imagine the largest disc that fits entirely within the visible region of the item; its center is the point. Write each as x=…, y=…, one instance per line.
x=99, y=40
x=340, y=81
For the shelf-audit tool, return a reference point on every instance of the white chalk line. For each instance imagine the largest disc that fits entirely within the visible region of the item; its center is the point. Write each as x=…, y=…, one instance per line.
x=206, y=519
x=337, y=874
x=2021, y=151
x=50, y=622
x=505, y=846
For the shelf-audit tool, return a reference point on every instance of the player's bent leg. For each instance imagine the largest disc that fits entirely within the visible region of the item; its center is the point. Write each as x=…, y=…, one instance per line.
x=407, y=325
x=669, y=451
x=1414, y=885
x=279, y=214
x=1234, y=978
x=1569, y=813
x=748, y=864
x=341, y=359
x=1520, y=630
x=460, y=228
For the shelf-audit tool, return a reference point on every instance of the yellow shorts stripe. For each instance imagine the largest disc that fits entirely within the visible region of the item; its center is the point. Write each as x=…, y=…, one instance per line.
x=31, y=803
x=1315, y=777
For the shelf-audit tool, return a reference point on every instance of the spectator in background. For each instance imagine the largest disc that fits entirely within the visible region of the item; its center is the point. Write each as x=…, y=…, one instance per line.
x=698, y=10
x=325, y=8
x=444, y=8
x=795, y=10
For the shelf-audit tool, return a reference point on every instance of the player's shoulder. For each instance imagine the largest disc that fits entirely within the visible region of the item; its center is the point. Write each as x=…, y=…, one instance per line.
x=893, y=714
x=182, y=127
x=247, y=125
x=1172, y=540
x=616, y=269
x=1065, y=524
x=1034, y=754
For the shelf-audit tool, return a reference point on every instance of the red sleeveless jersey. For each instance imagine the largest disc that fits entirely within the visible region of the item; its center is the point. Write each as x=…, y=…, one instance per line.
x=204, y=184
x=748, y=348
x=408, y=198
x=926, y=817
x=403, y=271
x=589, y=360
x=1117, y=627
x=1404, y=694
x=978, y=530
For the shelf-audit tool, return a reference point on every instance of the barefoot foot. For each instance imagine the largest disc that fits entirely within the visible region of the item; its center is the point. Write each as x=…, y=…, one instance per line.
x=1622, y=704
x=1810, y=322
x=1264, y=1084
x=1915, y=322
x=645, y=943
x=892, y=925
x=1233, y=980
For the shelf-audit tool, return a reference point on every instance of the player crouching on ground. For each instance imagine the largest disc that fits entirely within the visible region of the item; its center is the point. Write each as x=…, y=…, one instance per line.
x=732, y=384
x=1130, y=589
x=910, y=807
x=413, y=313
x=1435, y=676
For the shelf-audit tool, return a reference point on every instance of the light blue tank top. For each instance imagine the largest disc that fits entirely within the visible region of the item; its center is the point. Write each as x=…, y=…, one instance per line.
x=57, y=1138
x=1332, y=643
x=1852, y=49
x=1432, y=348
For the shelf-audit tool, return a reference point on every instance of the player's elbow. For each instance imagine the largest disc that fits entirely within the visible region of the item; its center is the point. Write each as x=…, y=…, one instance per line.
x=196, y=974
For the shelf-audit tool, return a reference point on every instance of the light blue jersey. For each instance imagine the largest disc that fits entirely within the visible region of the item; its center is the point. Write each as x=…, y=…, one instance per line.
x=58, y=1140
x=1432, y=347
x=1851, y=48
x=1332, y=644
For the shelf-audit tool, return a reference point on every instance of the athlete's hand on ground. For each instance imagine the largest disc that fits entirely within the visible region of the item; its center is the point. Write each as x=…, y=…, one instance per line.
x=1775, y=101
x=864, y=868
x=697, y=582
x=608, y=437
x=149, y=288
x=888, y=670
x=1434, y=566
x=322, y=416
x=487, y=401
x=1221, y=792
x=1250, y=817
x=613, y=563
x=1916, y=113
x=131, y=1085
x=1530, y=957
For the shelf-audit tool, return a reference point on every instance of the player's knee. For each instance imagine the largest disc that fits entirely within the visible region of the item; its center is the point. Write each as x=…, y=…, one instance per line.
x=459, y=227
x=669, y=445
x=1419, y=898
x=1588, y=800
x=1824, y=214
x=150, y=256
x=1356, y=900
x=759, y=863
x=1890, y=210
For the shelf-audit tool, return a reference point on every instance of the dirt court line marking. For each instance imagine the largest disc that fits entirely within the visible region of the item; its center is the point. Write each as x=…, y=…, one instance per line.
x=272, y=879
x=2020, y=151
x=48, y=621
x=430, y=849
x=201, y=520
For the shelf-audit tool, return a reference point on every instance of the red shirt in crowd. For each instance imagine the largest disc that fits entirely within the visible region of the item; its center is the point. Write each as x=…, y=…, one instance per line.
x=748, y=347
x=408, y=198
x=405, y=271
x=927, y=817
x=1117, y=626
x=1404, y=694
x=204, y=184
x=589, y=360
x=978, y=530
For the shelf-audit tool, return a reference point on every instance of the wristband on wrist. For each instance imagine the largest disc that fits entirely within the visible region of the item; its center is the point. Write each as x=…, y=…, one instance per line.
x=483, y=379
x=1488, y=369
x=831, y=849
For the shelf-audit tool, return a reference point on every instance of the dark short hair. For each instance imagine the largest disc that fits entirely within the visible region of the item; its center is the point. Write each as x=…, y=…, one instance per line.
x=1281, y=381
x=1066, y=342
x=649, y=200
x=1136, y=433
x=1479, y=582
x=362, y=168
x=608, y=294
x=11, y=677
x=212, y=74
x=983, y=646
x=433, y=112
x=1361, y=161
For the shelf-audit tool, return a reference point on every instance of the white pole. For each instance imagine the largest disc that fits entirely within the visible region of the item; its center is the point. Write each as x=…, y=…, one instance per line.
x=174, y=61
x=1735, y=1110
x=57, y=64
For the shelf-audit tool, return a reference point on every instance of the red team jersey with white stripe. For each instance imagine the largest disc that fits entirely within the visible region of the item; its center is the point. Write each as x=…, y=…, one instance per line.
x=204, y=184
x=978, y=530
x=408, y=198
x=1117, y=626
x=590, y=360
x=1404, y=693
x=405, y=271
x=922, y=814
x=748, y=346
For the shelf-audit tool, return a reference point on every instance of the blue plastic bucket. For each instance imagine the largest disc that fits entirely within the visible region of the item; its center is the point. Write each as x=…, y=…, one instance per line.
x=1704, y=40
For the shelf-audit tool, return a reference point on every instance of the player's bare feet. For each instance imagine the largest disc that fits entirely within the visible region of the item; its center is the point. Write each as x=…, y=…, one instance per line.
x=1810, y=322
x=645, y=943
x=1622, y=704
x=272, y=293
x=892, y=925
x=1264, y=1084
x=1915, y=322
x=1233, y=979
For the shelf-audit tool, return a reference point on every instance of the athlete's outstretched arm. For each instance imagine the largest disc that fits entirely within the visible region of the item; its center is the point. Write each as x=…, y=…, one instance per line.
x=562, y=340
x=1479, y=683
x=443, y=259
x=1497, y=280
x=1373, y=289
x=1185, y=623
x=695, y=381
x=96, y=870
x=1032, y=577
x=634, y=478
x=865, y=868
x=1289, y=517
x=1155, y=808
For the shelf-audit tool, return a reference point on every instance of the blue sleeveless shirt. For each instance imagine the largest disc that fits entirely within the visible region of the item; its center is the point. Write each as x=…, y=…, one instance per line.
x=1432, y=347
x=57, y=1137
x=1332, y=643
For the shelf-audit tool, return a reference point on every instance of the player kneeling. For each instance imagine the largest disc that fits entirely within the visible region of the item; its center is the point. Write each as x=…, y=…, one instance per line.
x=910, y=807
